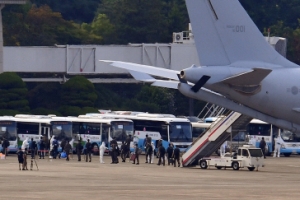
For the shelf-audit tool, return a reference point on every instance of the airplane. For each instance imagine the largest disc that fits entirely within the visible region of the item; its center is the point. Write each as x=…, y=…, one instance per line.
x=238, y=69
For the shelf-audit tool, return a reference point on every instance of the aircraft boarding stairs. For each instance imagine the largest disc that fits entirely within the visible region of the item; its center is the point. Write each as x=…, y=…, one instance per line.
x=214, y=137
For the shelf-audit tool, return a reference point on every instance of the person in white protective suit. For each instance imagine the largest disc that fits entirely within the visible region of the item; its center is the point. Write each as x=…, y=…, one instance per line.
x=51, y=146
x=277, y=146
x=25, y=144
x=223, y=148
x=152, y=155
x=102, y=150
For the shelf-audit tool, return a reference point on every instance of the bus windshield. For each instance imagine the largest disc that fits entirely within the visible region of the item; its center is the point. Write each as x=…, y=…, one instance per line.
x=180, y=132
x=8, y=130
x=240, y=137
x=120, y=130
x=259, y=129
x=62, y=130
x=288, y=136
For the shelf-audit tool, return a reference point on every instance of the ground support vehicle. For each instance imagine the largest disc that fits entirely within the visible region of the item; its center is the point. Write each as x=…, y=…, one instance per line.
x=246, y=156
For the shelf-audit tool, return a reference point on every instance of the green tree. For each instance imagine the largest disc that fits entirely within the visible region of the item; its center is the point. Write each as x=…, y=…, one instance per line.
x=13, y=94
x=144, y=21
x=75, y=10
x=78, y=95
x=101, y=28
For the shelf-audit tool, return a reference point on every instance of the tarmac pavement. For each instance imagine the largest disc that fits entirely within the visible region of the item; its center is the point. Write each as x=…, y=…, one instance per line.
x=59, y=179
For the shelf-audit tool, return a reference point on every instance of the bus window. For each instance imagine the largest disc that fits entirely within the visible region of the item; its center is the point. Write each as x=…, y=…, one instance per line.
x=62, y=130
x=197, y=131
x=259, y=129
x=180, y=132
x=288, y=136
x=241, y=137
x=27, y=128
x=8, y=130
x=120, y=130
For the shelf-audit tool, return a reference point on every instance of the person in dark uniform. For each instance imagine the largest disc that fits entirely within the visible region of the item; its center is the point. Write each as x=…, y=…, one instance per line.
x=63, y=144
x=136, y=152
x=123, y=152
x=176, y=156
x=42, y=148
x=150, y=153
x=5, y=145
x=79, y=148
x=67, y=149
x=161, y=152
x=262, y=145
x=88, y=147
x=32, y=148
x=114, y=149
x=169, y=153
x=20, y=154
x=127, y=142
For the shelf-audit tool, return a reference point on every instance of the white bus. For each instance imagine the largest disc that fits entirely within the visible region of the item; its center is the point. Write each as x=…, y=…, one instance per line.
x=290, y=142
x=8, y=130
x=163, y=127
x=199, y=128
x=258, y=129
x=98, y=129
x=35, y=126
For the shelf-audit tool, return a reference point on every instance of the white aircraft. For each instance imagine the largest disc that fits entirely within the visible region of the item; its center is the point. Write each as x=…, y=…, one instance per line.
x=239, y=69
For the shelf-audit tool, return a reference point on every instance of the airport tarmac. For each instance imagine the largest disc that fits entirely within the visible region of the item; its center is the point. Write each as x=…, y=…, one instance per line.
x=58, y=179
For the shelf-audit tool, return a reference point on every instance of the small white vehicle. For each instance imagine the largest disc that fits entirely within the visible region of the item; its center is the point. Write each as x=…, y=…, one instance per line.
x=246, y=156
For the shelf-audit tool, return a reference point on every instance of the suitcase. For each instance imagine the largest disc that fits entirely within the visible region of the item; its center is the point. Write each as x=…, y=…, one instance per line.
x=132, y=157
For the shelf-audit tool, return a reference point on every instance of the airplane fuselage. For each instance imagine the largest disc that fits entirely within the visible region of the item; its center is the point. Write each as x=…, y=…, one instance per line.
x=277, y=95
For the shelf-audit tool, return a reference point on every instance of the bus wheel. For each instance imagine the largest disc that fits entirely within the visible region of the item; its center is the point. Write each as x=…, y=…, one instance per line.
x=287, y=154
x=95, y=149
x=203, y=164
x=251, y=168
x=235, y=166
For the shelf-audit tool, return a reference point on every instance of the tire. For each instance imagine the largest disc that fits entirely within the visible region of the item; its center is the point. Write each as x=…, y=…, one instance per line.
x=251, y=168
x=95, y=149
x=203, y=164
x=218, y=167
x=235, y=166
x=287, y=154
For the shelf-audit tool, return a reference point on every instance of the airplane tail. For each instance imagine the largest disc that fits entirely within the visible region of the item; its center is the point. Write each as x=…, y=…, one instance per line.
x=225, y=34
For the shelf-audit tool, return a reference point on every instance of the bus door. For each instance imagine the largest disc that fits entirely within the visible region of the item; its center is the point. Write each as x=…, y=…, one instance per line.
x=105, y=132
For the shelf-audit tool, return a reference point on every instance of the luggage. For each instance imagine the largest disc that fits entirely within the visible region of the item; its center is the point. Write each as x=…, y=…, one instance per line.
x=132, y=157
x=63, y=155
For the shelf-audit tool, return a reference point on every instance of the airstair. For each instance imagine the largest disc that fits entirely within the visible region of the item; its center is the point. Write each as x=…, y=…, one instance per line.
x=215, y=136
x=211, y=110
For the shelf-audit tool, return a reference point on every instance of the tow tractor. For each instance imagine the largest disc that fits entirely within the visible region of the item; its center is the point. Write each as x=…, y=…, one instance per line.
x=246, y=156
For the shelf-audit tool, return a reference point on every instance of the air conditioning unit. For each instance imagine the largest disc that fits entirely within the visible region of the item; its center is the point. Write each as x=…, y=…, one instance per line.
x=178, y=37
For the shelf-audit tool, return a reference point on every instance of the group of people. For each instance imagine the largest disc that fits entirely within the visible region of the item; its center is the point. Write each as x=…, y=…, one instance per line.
x=172, y=154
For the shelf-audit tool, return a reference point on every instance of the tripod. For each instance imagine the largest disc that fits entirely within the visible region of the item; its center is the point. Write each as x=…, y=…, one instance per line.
x=31, y=164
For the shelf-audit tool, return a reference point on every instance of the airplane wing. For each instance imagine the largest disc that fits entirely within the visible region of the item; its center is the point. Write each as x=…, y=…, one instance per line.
x=145, y=69
x=253, y=77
